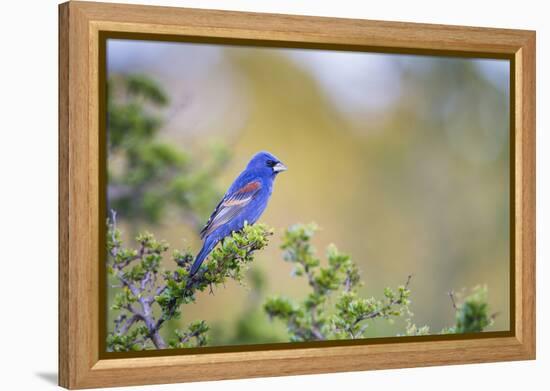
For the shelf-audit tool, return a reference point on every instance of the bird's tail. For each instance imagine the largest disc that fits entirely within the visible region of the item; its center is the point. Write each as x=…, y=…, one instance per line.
x=201, y=256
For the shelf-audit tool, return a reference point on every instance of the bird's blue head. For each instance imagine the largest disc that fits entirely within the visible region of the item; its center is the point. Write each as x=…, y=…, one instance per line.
x=266, y=163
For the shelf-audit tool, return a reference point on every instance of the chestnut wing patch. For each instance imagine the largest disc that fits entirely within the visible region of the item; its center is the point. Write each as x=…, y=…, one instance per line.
x=249, y=188
x=230, y=206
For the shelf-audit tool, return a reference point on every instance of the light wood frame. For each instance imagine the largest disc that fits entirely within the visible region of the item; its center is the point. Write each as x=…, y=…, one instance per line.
x=80, y=23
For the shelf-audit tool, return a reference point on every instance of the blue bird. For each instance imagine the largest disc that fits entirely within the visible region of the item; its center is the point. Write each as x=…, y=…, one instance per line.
x=245, y=201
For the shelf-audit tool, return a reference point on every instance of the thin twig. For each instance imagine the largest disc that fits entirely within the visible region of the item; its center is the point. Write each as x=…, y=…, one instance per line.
x=376, y=313
x=452, y=297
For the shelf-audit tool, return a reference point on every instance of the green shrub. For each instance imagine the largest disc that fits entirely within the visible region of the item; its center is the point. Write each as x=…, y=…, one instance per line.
x=149, y=296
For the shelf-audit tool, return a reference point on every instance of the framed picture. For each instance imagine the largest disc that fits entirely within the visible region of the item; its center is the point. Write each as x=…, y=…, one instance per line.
x=247, y=195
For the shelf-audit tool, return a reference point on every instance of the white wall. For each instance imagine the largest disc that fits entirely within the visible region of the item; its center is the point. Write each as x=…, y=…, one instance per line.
x=28, y=214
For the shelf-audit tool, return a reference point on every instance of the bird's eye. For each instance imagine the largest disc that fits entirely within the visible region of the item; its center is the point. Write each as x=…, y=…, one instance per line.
x=271, y=163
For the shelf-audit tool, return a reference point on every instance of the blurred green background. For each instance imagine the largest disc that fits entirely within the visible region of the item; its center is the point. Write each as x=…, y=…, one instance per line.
x=403, y=161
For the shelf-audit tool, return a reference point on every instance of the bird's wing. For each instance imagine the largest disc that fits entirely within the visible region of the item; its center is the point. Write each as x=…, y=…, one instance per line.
x=231, y=205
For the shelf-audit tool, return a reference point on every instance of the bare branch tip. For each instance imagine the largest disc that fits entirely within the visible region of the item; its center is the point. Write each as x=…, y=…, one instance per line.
x=452, y=297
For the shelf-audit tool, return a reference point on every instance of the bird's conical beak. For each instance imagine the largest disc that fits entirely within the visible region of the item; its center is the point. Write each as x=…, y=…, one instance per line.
x=279, y=167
